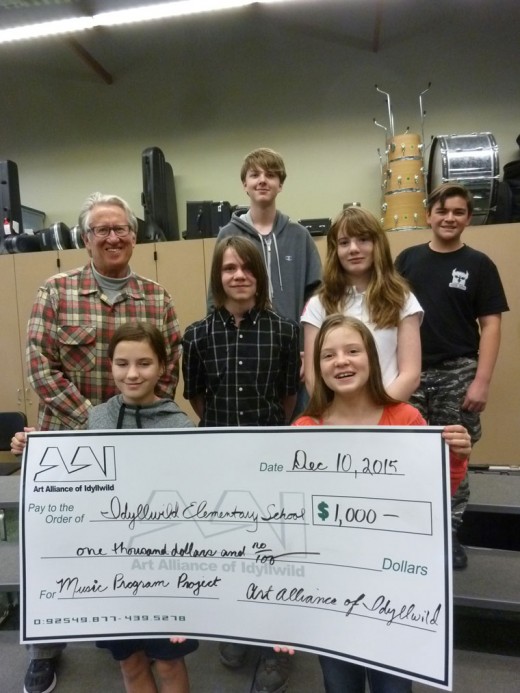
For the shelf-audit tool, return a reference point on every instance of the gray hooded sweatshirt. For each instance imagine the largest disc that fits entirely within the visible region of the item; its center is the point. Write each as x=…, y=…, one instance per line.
x=116, y=414
x=291, y=258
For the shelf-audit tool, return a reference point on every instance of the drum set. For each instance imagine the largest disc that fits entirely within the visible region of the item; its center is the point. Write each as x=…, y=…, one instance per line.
x=471, y=160
x=403, y=184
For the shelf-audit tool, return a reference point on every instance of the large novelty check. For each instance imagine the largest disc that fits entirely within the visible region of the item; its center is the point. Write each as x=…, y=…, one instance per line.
x=332, y=540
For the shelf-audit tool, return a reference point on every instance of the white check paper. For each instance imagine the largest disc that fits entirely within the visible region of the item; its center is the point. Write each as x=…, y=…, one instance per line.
x=332, y=540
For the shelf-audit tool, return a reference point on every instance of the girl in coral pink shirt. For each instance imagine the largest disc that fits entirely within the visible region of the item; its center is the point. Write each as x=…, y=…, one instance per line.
x=348, y=390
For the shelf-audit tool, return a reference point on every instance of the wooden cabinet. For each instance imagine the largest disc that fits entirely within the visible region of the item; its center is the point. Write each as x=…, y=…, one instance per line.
x=12, y=390
x=144, y=260
x=70, y=259
x=183, y=268
x=182, y=272
x=31, y=270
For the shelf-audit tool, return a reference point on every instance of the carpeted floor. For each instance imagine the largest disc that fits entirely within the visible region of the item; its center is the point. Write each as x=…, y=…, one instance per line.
x=84, y=669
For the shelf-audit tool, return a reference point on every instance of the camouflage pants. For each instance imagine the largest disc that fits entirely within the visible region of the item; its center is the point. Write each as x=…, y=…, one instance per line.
x=439, y=398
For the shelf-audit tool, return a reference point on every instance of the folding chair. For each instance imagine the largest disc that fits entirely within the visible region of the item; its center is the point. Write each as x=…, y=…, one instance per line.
x=10, y=423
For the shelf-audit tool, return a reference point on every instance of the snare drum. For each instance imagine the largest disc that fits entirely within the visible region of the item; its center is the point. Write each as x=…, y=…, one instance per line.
x=405, y=146
x=404, y=174
x=471, y=160
x=404, y=211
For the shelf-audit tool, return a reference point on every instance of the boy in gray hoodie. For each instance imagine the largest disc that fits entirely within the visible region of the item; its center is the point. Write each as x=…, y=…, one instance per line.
x=294, y=272
x=290, y=254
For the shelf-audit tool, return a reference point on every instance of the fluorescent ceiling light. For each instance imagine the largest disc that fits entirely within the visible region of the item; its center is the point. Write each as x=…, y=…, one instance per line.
x=60, y=26
x=125, y=16
x=168, y=9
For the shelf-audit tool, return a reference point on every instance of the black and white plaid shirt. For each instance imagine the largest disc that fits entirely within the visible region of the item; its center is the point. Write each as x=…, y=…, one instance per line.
x=243, y=373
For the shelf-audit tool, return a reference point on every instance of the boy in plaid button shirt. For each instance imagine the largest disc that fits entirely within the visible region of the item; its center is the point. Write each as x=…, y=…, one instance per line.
x=241, y=367
x=241, y=362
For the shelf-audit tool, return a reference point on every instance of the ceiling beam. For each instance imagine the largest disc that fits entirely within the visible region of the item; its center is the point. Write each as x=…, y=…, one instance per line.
x=89, y=60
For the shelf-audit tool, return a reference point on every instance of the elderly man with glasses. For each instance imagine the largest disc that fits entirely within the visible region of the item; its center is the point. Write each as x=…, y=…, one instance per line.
x=72, y=320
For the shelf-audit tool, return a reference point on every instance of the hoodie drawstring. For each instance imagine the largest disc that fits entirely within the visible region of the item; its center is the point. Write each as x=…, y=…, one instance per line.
x=121, y=416
x=265, y=242
x=278, y=262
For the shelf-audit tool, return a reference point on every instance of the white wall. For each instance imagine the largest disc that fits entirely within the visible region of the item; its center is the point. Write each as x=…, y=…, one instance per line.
x=223, y=86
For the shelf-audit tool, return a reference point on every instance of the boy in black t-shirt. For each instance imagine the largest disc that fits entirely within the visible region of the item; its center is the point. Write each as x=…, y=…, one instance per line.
x=462, y=296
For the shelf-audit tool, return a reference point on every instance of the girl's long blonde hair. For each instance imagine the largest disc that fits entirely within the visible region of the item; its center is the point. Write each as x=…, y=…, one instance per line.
x=387, y=290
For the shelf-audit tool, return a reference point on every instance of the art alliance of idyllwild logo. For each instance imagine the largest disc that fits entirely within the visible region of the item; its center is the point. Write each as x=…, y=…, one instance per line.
x=94, y=462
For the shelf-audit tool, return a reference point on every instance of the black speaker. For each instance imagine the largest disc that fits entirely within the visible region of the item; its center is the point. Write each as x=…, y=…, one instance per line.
x=158, y=197
x=205, y=219
x=10, y=197
x=316, y=227
x=148, y=231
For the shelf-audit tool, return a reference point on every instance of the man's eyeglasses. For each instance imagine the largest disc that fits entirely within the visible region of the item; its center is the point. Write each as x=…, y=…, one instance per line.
x=121, y=230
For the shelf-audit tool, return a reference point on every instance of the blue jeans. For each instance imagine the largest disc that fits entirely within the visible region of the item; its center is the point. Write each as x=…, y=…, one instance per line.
x=344, y=677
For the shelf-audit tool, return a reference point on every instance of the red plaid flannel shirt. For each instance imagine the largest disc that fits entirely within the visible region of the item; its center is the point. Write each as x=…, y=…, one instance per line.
x=68, y=333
